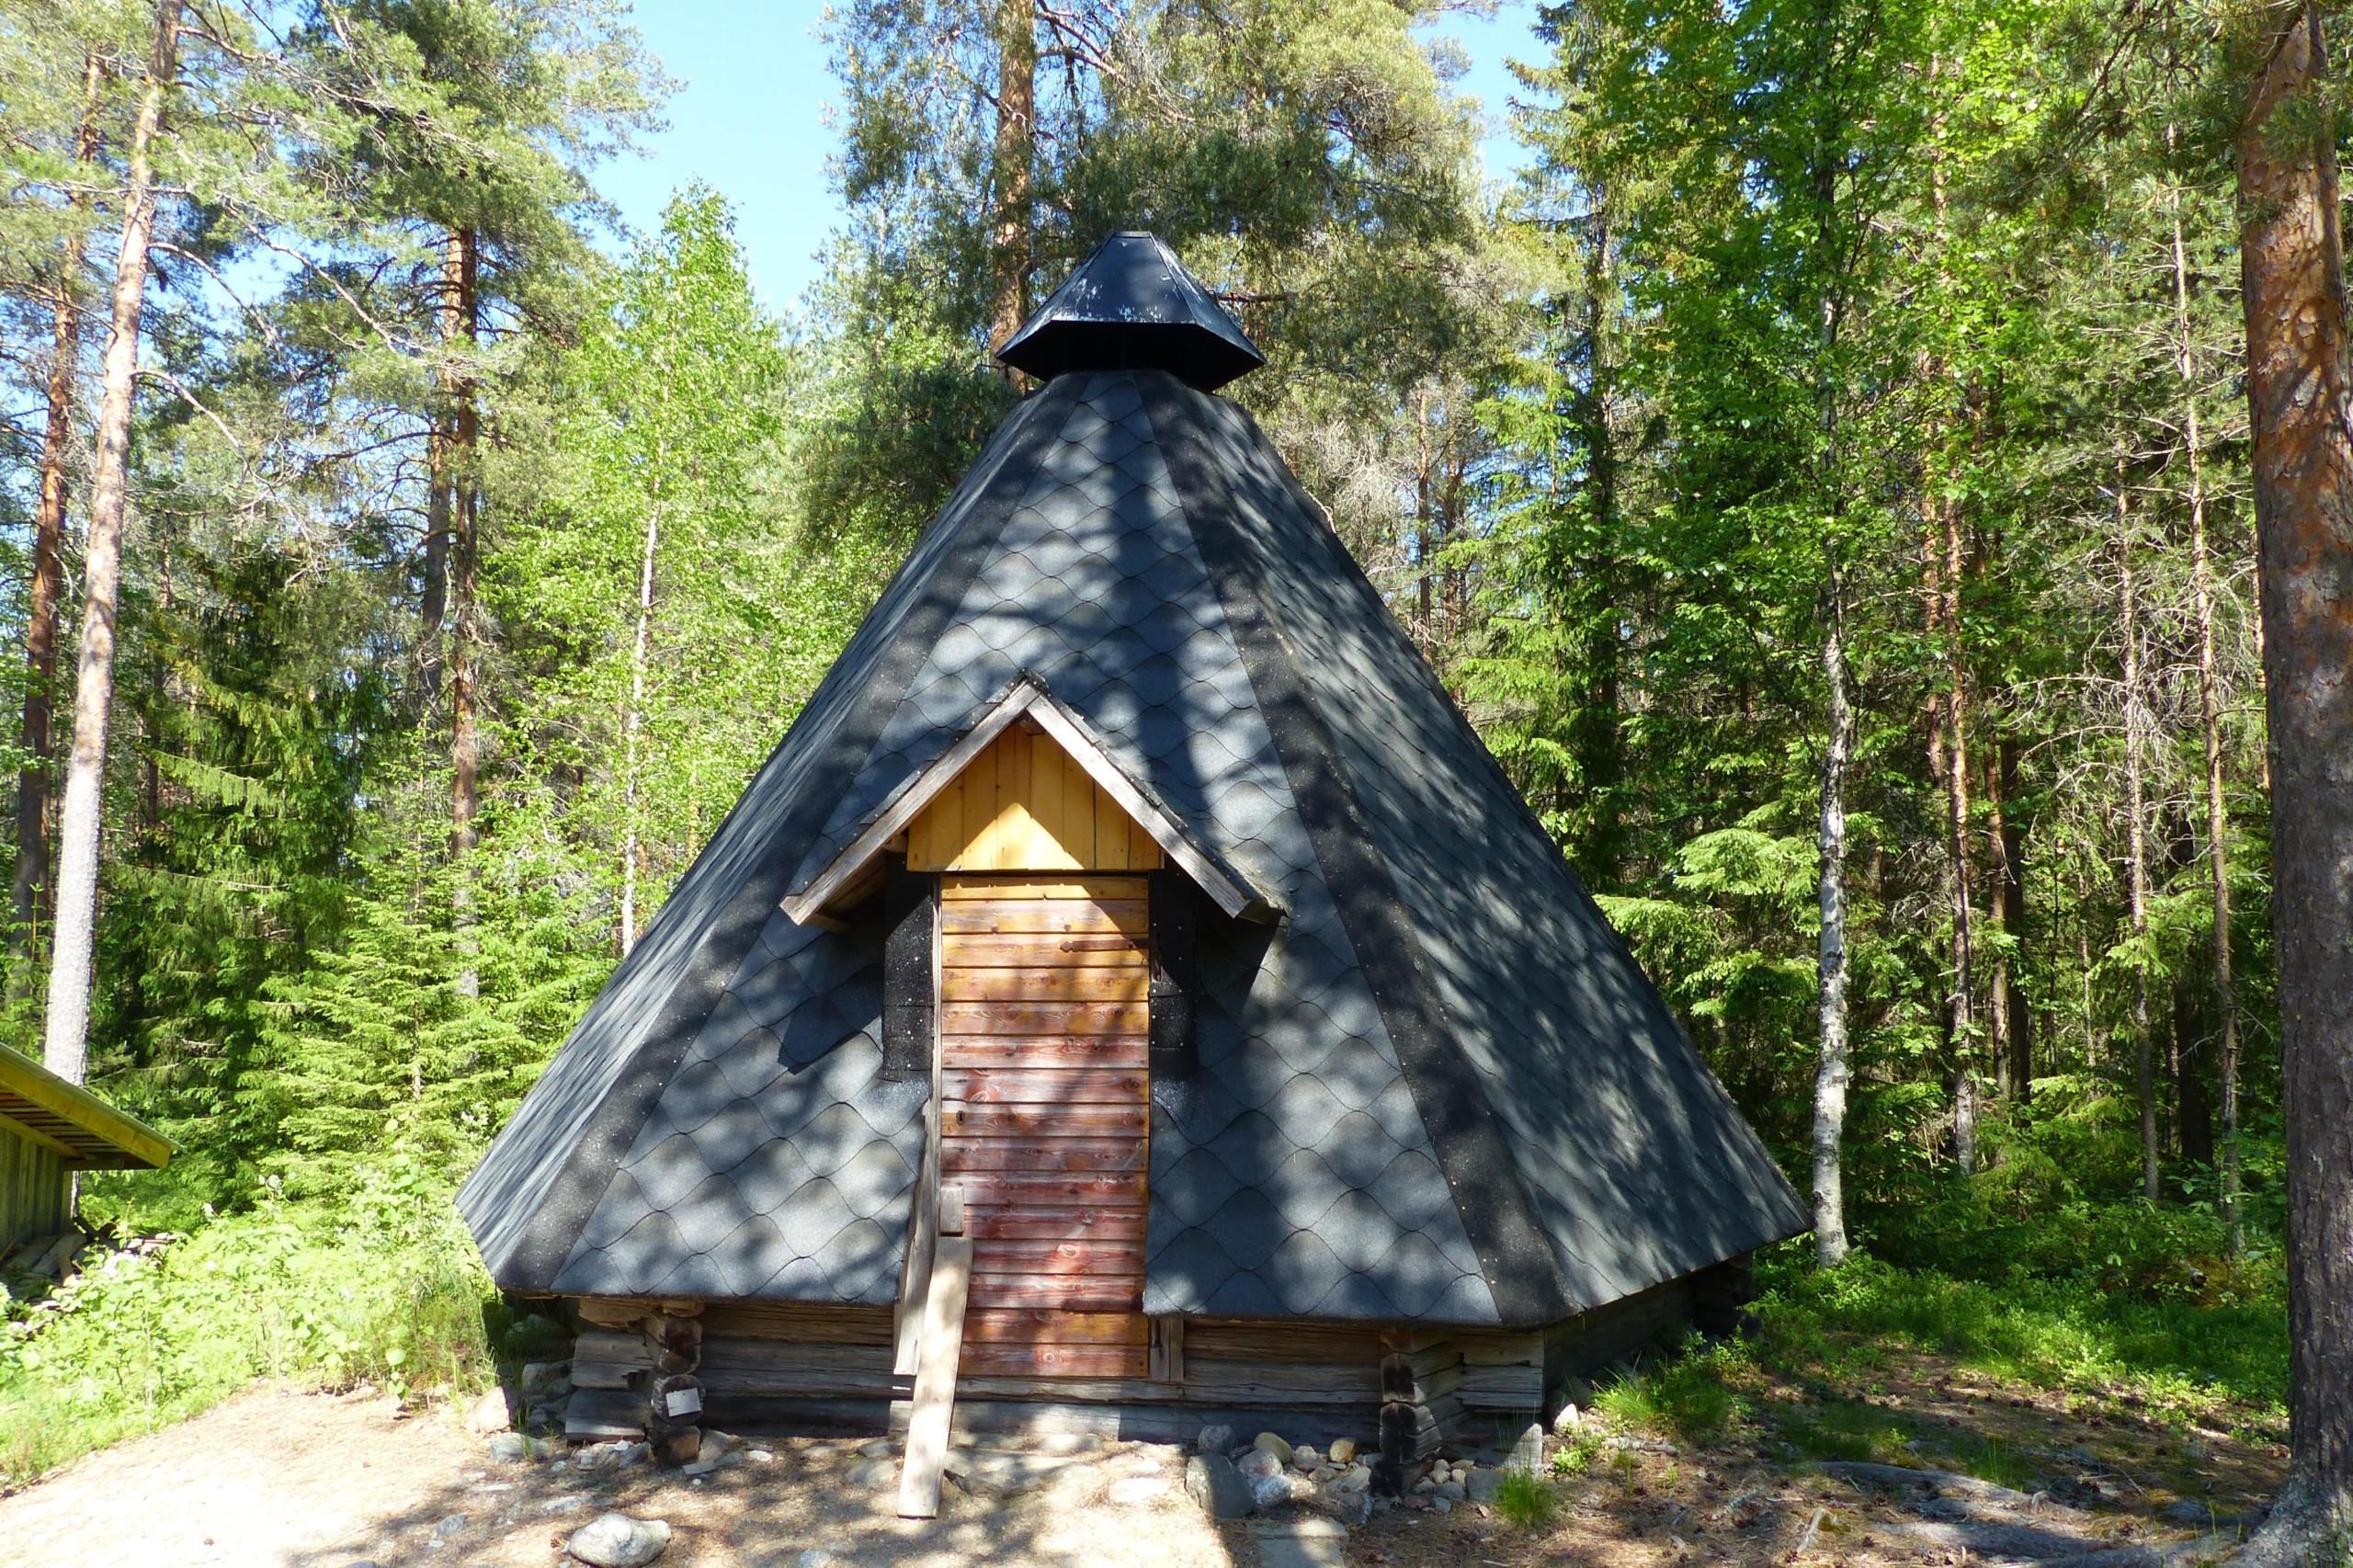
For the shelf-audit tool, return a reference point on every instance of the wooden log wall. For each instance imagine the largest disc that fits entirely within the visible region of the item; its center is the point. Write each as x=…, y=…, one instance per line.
x=792, y=1366
x=34, y=1189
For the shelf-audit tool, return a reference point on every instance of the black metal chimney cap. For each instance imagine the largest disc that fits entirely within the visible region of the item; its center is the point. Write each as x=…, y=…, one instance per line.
x=1132, y=305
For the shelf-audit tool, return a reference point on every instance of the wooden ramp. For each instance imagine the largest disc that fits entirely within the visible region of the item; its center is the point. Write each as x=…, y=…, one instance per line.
x=941, y=1346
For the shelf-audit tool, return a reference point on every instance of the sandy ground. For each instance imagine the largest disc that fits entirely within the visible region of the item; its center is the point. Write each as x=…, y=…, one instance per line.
x=281, y=1480
x=277, y=1479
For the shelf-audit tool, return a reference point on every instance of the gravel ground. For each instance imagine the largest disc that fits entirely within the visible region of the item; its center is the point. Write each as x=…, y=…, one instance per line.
x=282, y=1479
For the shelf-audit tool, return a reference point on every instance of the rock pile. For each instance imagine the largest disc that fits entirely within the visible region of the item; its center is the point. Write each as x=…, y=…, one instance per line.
x=1270, y=1471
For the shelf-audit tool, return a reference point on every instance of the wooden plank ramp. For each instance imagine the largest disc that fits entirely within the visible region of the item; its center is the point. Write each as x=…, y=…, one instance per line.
x=943, y=1346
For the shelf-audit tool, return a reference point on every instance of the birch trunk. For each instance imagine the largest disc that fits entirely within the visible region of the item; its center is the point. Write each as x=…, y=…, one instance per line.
x=2136, y=841
x=635, y=719
x=37, y=735
x=2209, y=713
x=2293, y=262
x=66, y=1046
x=1831, y=1071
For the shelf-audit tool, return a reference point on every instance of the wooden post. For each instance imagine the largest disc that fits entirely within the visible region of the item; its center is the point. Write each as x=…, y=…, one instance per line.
x=674, y=1398
x=943, y=1347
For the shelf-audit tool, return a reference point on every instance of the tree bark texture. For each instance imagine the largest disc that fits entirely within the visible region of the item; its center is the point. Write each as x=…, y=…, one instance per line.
x=635, y=719
x=1832, y=1070
x=37, y=733
x=2292, y=264
x=2136, y=839
x=66, y=1046
x=1015, y=155
x=466, y=633
x=2209, y=713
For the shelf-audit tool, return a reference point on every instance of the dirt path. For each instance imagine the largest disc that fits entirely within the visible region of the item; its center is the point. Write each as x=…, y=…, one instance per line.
x=277, y=1479
x=281, y=1480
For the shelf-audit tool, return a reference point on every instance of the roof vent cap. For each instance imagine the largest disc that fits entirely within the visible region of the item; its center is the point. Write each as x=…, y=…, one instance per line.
x=1132, y=306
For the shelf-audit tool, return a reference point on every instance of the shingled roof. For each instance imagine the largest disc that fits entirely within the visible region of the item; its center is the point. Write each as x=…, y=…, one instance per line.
x=1437, y=1088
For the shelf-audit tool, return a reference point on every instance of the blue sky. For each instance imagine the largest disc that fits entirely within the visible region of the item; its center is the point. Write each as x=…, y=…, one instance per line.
x=749, y=119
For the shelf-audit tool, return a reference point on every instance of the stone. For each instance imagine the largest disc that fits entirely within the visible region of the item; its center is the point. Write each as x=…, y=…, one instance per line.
x=816, y=1557
x=509, y=1448
x=1565, y=1421
x=1323, y=1473
x=1305, y=1458
x=1484, y=1484
x=545, y=1380
x=1452, y=1492
x=1258, y=1462
x=1427, y=1483
x=1350, y=1505
x=616, y=1540
x=879, y=1448
x=1211, y=1480
x=1213, y=1439
x=1528, y=1454
x=454, y=1525
x=488, y=1413
x=1300, y=1543
x=1342, y=1450
x=1002, y=1475
x=1269, y=1443
x=760, y=1456
x=1134, y=1489
x=609, y=1456
x=1442, y=1503
x=875, y=1472
x=1269, y=1489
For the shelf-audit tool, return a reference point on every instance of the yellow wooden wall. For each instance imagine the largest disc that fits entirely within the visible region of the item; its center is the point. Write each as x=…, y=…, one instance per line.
x=1024, y=805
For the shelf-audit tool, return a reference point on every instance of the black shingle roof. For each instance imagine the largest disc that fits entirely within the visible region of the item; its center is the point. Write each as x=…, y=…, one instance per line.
x=1439, y=1088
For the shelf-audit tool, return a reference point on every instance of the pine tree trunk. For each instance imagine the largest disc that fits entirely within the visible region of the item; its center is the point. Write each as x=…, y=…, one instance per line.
x=37, y=735
x=72, y=949
x=2209, y=713
x=2293, y=262
x=2136, y=841
x=1015, y=156
x=453, y=317
x=1831, y=1071
x=465, y=641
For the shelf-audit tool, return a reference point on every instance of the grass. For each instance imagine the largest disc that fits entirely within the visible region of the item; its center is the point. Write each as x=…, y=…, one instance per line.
x=2170, y=1355
x=382, y=1288
x=1851, y=1364
x=1526, y=1502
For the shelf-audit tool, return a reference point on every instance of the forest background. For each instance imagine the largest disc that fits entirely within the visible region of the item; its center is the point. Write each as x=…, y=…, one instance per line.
x=1820, y=469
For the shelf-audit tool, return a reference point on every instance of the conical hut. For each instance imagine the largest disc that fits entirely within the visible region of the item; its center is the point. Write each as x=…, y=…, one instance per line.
x=1131, y=962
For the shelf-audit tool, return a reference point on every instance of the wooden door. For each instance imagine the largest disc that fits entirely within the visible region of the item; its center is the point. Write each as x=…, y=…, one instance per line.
x=1045, y=1113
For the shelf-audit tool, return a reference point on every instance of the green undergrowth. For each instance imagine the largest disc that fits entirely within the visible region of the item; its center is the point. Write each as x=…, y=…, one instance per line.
x=381, y=1285
x=1811, y=1383
x=2167, y=1354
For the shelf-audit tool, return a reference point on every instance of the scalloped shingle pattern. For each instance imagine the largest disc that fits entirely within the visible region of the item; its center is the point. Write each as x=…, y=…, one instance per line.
x=1638, y=1165
x=760, y=1152
x=1290, y=1174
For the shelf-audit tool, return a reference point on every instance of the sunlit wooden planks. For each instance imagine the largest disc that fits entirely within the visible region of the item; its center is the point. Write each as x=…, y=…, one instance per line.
x=1024, y=804
x=1044, y=1079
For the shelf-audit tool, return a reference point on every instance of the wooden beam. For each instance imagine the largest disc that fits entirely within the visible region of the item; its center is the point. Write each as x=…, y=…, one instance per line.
x=915, y=1279
x=943, y=1346
x=43, y=1090
x=1030, y=699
